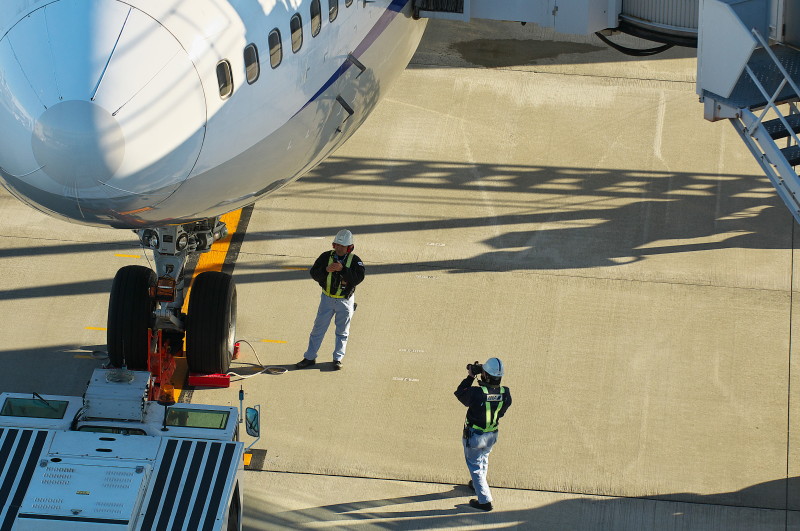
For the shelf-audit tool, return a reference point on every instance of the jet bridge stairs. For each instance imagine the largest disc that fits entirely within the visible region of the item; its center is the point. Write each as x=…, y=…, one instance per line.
x=761, y=103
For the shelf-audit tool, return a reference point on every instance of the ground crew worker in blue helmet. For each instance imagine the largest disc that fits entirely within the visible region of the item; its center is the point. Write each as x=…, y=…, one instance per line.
x=338, y=272
x=486, y=403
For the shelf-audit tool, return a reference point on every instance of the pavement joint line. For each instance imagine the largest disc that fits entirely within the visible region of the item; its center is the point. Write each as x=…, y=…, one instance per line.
x=547, y=72
x=789, y=376
x=588, y=277
x=544, y=491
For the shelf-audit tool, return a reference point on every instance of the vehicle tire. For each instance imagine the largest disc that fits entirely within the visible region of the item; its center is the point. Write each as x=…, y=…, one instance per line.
x=130, y=314
x=211, y=324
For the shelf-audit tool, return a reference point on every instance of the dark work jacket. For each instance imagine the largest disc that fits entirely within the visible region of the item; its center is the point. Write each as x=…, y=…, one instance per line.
x=348, y=277
x=475, y=400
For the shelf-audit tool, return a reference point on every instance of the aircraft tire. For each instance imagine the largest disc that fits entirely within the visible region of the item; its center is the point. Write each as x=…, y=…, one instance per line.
x=211, y=324
x=130, y=314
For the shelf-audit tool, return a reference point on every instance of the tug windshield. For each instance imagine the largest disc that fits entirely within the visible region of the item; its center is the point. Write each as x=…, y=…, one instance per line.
x=197, y=418
x=34, y=407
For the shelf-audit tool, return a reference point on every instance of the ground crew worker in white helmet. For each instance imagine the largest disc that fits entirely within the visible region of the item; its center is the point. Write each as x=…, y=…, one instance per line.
x=338, y=272
x=486, y=405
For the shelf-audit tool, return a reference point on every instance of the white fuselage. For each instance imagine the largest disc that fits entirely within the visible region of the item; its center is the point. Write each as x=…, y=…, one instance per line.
x=116, y=112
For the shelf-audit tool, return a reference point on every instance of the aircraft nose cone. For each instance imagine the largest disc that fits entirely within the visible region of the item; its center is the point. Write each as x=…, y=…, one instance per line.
x=78, y=143
x=102, y=110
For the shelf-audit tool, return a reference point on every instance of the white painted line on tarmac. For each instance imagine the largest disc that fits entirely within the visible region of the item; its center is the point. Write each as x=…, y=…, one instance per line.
x=286, y=236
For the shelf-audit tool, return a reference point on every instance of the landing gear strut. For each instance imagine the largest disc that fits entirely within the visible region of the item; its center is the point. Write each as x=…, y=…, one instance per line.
x=143, y=299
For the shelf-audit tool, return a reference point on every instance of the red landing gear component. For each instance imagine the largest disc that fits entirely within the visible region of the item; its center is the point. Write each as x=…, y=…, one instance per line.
x=236, y=351
x=200, y=379
x=161, y=364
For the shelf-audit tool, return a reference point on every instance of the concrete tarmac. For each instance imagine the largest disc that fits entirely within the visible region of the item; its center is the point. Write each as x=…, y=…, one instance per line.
x=539, y=198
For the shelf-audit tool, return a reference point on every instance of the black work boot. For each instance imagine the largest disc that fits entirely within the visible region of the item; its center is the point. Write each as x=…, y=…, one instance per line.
x=482, y=506
x=302, y=364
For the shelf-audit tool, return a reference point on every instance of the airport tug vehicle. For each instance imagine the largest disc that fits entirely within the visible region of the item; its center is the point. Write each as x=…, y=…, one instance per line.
x=124, y=456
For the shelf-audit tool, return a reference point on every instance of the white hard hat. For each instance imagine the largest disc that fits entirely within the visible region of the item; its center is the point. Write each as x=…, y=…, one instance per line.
x=344, y=237
x=494, y=368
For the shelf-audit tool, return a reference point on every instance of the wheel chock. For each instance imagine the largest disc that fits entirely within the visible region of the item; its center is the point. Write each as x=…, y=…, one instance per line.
x=199, y=379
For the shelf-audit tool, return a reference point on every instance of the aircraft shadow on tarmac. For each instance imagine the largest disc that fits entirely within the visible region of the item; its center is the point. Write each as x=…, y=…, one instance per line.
x=701, y=512
x=559, y=218
x=563, y=218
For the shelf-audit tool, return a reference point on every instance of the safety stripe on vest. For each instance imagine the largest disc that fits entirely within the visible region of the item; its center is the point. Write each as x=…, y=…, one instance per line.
x=491, y=420
x=338, y=294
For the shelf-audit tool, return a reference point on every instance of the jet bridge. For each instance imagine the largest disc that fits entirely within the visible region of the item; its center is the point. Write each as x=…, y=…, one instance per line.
x=665, y=21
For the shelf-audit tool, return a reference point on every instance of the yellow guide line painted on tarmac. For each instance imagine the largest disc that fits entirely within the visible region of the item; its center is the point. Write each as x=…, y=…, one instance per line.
x=128, y=255
x=295, y=268
x=215, y=258
x=272, y=341
x=94, y=328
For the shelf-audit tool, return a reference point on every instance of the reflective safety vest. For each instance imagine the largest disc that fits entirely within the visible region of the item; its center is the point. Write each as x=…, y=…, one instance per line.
x=491, y=416
x=329, y=281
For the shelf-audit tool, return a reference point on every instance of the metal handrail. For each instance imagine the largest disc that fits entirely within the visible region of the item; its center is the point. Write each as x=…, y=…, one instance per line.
x=771, y=99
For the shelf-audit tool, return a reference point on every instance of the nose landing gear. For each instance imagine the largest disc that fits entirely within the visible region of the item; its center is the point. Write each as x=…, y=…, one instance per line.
x=143, y=299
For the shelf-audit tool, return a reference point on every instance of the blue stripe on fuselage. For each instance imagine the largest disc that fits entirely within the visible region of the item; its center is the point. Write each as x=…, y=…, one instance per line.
x=394, y=8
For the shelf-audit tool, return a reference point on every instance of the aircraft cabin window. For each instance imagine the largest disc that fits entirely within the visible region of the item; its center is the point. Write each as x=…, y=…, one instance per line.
x=251, y=66
x=275, y=48
x=333, y=9
x=224, y=79
x=348, y=3
x=316, y=18
x=296, y=25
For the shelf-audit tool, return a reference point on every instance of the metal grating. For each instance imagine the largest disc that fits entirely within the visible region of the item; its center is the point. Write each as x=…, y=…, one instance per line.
x=745, y=94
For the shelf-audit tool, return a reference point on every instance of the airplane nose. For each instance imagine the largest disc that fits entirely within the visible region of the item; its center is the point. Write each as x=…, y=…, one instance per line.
x=102, y=112
x=79, y=143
